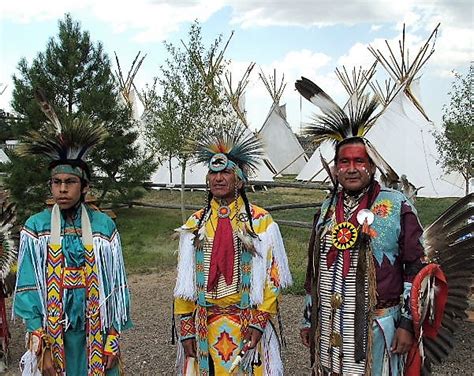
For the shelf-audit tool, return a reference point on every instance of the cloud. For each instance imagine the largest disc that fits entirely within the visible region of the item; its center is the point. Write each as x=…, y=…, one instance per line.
x=316, y=13
x=148, y=20
x=454, y=48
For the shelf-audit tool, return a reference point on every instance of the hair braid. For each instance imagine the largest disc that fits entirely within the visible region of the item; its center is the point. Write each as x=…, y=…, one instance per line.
x=207, y=206
x=247, y=209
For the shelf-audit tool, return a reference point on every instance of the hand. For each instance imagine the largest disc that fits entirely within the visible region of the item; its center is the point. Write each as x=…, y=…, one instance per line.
x=110, y=361
x=402, y=342
x=305, y=336
x=189, y=347
x=252, y=337
x=48, y=365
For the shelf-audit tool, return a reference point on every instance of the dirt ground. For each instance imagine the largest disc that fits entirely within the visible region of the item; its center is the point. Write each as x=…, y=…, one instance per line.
x=147, y=348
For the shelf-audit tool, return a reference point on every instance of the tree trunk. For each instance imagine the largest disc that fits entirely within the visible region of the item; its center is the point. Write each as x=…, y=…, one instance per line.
x=170, y=169
x=183, y=182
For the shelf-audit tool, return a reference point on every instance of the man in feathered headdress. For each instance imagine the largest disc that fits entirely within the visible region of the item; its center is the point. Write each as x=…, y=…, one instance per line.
x=231, y=269
x=364, y=252
x=71, y=288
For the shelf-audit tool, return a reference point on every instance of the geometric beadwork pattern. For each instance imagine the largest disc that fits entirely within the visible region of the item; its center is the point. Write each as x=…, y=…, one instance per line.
x=344, y=235
x=74, y=278
x=94, y=334
x=225, y=346
x=259, y=319
x=187, y=328
x=112, y=345
x=54, y=304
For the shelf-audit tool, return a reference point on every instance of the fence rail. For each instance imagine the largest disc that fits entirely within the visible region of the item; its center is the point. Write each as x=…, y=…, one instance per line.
x=252, y=183
x=271, y=208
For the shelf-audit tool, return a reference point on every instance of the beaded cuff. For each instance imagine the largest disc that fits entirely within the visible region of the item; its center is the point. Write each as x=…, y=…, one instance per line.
x=112, y=344
x=187, y=328
x=259, y=320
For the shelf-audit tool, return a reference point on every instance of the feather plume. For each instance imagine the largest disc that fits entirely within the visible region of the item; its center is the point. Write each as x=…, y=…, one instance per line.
x=247, y=241
x=47, y=109
x=389, y=175
x=313, y=93
x=8, y=245
x=78, y=136
x=328, y=170
x=70, y=140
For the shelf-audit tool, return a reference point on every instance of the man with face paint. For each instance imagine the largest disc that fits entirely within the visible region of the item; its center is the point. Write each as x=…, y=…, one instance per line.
x=364, y=252
x=365, y=249
x=71, y=289
x=231, y=269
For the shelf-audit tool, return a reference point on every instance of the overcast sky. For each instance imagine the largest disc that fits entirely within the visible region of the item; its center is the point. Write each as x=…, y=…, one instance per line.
x=298, y=37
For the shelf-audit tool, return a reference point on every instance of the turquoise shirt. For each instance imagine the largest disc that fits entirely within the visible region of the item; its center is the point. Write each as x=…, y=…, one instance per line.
x=30, y=294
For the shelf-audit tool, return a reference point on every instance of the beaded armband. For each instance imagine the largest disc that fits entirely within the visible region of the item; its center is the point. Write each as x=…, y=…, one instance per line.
x=187, y=329
x=259, y=320
x=112, y=344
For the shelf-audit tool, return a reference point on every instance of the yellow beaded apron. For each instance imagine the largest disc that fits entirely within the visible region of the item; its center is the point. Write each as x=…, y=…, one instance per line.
x=54, y=303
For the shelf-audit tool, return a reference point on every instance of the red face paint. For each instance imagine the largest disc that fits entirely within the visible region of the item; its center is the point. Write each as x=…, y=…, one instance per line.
x=353, y=167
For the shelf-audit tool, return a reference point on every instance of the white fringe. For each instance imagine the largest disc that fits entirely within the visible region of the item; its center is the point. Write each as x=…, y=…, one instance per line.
x=270, y=239
x=35, y=247
x=111, y=270
x=186, y=279
x=272, y=363
x=112, y=281
x=29, y=364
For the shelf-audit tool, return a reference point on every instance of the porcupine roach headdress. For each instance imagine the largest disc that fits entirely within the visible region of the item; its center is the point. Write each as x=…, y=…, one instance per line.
x=338, y=125
x=65, y=144
x=236, y=148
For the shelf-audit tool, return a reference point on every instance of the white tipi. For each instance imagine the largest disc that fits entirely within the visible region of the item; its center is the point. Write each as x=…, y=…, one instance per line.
x=405, y=137
x=281, y=145
x=402, y=131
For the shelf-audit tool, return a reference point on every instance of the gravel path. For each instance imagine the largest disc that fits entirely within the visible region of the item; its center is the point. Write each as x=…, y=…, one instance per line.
x=147, y=347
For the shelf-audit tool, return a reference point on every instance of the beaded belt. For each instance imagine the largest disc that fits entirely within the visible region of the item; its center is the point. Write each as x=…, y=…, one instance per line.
x=74, y=278
x=217, y=311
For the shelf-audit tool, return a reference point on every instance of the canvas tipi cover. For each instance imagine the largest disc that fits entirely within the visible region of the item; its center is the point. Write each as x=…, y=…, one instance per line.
x=281, y=145
x=404, y=137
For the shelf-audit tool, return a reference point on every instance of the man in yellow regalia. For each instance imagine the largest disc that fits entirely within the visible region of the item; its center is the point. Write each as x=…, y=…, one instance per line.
x=231, y=269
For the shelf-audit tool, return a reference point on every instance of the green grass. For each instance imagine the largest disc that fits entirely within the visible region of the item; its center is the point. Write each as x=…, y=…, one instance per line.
x=147, y=232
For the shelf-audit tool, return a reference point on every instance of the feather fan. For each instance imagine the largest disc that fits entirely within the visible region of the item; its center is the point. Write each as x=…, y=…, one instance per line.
x=449, y=241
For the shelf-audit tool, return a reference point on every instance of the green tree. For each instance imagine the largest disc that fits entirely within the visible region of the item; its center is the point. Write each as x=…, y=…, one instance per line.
x=178, y=108
x=76, y=75
x=455, y=142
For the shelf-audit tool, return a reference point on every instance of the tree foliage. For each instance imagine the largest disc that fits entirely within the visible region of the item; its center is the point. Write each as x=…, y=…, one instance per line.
x=75, y=73
x=455, y=142
x=178, y=108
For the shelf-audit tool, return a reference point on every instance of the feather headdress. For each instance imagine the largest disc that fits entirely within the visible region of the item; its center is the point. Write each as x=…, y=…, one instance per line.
x=67, y=143
x=337, y=124
x=230, y=148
